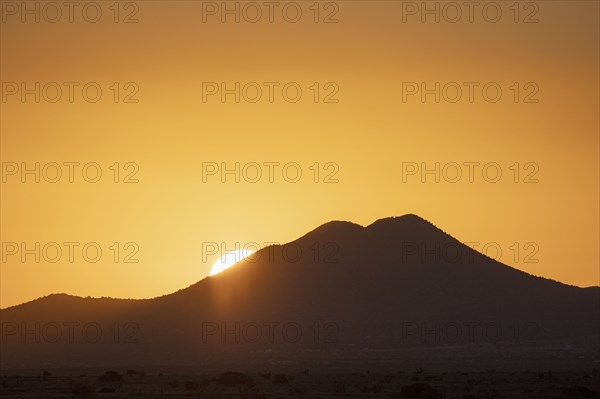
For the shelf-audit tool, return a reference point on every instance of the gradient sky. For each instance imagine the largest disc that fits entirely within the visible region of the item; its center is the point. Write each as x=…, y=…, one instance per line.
x=369, y=133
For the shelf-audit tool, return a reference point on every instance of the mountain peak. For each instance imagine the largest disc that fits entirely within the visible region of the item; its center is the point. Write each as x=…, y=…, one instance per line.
x=407, y=224
x=334, y=228
x=408, y=218
x=409, y=221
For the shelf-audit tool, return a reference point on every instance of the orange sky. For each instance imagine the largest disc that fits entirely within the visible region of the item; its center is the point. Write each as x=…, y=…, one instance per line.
x=374, y=128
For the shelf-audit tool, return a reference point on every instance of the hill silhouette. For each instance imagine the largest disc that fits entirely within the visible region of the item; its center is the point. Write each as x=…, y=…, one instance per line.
x=397, y=291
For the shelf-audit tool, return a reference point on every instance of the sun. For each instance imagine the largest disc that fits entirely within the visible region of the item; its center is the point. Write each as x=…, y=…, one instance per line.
x=229, y=259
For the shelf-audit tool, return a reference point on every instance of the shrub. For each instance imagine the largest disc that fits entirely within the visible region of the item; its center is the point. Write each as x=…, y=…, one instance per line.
x=110, y=376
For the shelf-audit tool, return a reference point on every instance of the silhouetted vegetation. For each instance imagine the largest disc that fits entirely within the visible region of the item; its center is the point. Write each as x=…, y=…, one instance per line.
x=234, y=378
x=110, y=376
x=266, y=376
x=476, y=385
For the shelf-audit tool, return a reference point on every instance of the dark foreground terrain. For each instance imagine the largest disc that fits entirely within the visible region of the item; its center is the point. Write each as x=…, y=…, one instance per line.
x=397, y=295
x=399, y=384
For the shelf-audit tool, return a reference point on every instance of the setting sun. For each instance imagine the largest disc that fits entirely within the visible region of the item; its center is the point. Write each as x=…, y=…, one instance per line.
x=229, y=259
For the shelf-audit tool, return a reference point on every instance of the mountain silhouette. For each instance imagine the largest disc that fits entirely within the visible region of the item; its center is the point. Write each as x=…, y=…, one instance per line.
x=397, y=292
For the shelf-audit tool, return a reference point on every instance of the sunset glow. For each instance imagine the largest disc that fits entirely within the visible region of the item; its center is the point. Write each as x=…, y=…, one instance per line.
x=228, y=260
